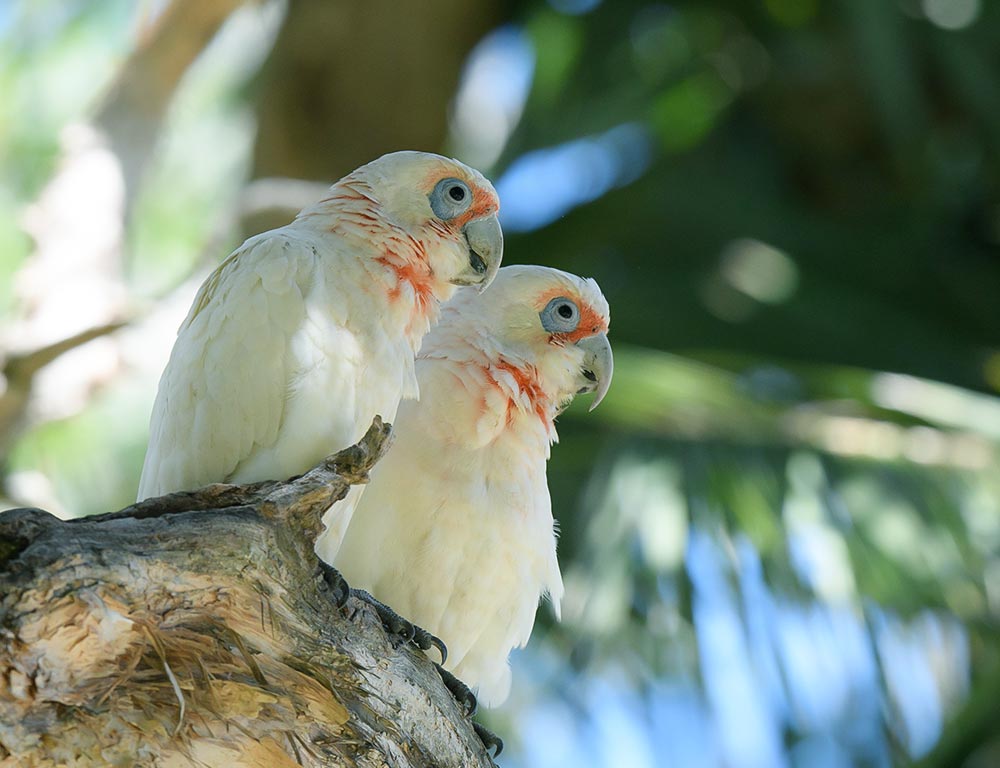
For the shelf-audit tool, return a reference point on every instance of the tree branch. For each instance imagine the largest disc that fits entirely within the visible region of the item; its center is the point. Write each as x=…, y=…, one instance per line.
x=196, y=629
x=19, y=372
x=131, y=113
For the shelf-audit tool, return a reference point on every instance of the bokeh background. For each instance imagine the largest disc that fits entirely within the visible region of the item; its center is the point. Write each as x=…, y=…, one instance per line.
x=781, y=531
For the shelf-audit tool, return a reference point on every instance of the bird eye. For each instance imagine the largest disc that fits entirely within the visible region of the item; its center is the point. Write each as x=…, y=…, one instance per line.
x=450, y=198
x=560, y=315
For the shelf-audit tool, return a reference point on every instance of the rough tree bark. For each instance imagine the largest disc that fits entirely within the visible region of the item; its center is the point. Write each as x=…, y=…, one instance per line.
x=196, y=629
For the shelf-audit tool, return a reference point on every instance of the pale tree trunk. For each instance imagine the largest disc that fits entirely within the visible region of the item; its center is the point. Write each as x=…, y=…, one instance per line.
x=347, y=82
x=197, y=629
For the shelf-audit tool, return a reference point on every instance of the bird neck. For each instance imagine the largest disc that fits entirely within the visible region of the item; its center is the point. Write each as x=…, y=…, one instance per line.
x=395, y=259
x=521, y=384
x=524, y=402
x=350, y=206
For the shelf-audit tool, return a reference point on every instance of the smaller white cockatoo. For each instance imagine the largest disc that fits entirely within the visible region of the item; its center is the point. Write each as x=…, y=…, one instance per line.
x=455, y=530
x=306, y=332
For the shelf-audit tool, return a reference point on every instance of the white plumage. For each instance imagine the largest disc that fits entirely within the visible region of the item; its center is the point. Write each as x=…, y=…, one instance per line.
x=455, y=530
x=306, y=332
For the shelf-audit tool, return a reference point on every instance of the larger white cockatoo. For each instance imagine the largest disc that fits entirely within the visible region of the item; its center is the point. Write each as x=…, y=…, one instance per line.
x=455, y=530
x=306, y=332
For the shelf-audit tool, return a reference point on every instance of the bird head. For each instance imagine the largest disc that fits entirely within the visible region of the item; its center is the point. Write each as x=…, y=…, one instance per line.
x=544, y=321
x=448, y=207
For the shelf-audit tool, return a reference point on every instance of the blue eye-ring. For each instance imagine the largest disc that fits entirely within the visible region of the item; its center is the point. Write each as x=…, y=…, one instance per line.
x=450, y=198
x=561, y=315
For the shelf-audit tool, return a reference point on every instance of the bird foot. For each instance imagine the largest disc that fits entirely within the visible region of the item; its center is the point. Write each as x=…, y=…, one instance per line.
x=467, y=701
x=424, y=640
x=462, y=693
x=392, y=621
x=397, y=625
x=490, y=740
x=336, y=583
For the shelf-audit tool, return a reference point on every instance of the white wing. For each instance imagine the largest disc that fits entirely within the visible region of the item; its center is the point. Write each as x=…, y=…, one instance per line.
x=223, y=393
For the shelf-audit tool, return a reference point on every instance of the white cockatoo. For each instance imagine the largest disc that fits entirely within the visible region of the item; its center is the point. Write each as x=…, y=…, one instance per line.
x=455, y=530
x=306, y=332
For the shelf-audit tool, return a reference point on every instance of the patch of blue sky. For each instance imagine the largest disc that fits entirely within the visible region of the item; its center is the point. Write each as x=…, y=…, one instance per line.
x=543, y=185
x=491, y=95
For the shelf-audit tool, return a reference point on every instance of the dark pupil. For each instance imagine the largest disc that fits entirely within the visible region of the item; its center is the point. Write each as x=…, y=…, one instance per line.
x=457, y=194
x=565, y=311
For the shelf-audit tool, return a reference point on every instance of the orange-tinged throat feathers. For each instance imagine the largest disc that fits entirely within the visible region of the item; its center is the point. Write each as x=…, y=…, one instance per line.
x=356, y=215
x=407, y=261
x=524, y=392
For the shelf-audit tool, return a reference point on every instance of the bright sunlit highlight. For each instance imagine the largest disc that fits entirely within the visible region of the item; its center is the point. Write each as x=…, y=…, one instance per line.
x=951, y=14
x=542, y=186
x=759, y=270
x=491, y=95
x=945, y=404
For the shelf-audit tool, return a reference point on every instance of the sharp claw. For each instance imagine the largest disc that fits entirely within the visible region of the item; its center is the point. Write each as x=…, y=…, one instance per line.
x=424, y=640
x=462, y=693
x=442, y=648
x=490, y=740
x=397, y=625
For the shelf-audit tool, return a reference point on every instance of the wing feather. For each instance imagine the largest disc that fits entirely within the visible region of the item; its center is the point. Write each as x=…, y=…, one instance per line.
x=224, y=389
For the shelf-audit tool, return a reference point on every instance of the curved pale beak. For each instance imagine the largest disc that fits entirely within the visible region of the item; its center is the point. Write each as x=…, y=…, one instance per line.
x=598, y=366
x=485, y=239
